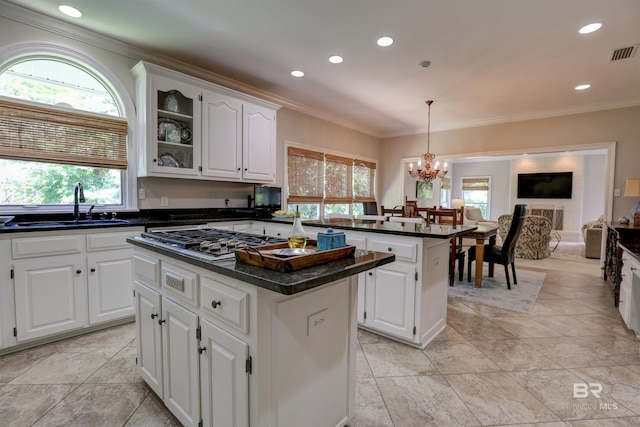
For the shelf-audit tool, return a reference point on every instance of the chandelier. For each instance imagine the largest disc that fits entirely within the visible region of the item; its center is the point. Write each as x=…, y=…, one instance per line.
x=428, y=174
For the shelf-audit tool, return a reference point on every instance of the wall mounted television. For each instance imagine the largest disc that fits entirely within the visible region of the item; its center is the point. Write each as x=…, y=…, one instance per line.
x=547, y=185
x=265, y=196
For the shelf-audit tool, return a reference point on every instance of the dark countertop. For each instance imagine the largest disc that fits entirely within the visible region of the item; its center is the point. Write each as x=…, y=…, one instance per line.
x=284, y=283
x=436, y=231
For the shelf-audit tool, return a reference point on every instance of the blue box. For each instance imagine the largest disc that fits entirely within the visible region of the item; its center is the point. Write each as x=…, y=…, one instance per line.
x=331, y=240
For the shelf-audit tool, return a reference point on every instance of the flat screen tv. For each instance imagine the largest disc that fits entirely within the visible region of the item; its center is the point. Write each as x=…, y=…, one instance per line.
x=265, y=196
x=548, y=185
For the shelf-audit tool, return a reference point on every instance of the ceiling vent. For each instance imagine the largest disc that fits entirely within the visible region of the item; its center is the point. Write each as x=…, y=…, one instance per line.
x=624, y=52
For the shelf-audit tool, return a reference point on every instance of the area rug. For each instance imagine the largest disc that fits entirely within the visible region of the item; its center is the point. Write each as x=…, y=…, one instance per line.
x=494, y=290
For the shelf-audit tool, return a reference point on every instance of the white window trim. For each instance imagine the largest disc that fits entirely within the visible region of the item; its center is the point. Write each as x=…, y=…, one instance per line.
x=488, y=215
x=23, y=51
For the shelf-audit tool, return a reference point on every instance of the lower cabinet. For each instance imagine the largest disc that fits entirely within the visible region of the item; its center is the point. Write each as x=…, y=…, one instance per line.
x=629, y=297
x=224, y=384
x=390, y=299
x=50, y=296
x=66, y=281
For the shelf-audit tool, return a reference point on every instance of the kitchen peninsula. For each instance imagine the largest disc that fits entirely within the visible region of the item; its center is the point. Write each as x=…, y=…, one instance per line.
x=232, y=344
x=406, y=300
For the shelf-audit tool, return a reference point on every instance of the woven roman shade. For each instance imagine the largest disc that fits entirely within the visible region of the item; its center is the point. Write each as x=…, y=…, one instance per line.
x=364, y=181
x=475, y=184
x=31, y=131
x=338, y=179
x=305, y=169
x=446, y=184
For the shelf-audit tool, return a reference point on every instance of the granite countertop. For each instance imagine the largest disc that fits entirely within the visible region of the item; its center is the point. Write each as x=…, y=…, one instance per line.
x=438, y=231
x=284, y=283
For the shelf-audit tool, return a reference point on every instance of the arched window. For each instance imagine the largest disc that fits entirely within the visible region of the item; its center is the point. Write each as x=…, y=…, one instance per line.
x=60, y=124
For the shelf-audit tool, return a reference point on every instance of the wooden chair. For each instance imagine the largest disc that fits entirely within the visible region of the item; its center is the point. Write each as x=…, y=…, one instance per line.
x=396, y=211
x=504, y=254
x=445, y=216
x=411, y=209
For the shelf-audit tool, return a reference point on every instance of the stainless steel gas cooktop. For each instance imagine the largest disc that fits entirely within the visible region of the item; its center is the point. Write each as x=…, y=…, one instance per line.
x=207, y=243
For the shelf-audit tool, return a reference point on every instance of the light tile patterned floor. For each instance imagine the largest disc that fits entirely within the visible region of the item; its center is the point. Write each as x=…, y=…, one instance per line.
x=490, y=367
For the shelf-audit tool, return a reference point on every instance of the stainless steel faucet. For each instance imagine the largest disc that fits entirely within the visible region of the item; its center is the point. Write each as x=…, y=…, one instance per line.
x=78, y=197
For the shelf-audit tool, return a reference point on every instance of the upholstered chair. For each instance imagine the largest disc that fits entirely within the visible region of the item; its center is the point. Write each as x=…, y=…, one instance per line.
x=534, y=239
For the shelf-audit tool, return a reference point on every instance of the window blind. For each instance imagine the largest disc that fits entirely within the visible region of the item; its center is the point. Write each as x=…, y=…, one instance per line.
x=338, y=178
x=475, y=184
x=31, y=131
x=364, y=179
x=305, y=169
x=446, y=184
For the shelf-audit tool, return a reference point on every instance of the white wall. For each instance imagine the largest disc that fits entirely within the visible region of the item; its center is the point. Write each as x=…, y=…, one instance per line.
x=594, y=187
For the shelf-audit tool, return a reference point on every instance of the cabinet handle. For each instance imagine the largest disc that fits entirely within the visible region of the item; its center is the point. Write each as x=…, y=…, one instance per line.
x=633, y=269
x=161, y=321
x=155, y=160
x=245, y=169
x=390, y=249
x=78, y=271
x=153, y=316
x=201, y=349
x=238, y=168
x=370, y=273
x=215, y=303
x=93, y=270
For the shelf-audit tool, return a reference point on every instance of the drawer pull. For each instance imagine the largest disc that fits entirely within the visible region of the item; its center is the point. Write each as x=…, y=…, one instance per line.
x=153, y=316
x=161, y=321
x=78, y=271
x=215, y=303
x=390, y=249
x=201, y=349
x=175, y=282
x=93, y=270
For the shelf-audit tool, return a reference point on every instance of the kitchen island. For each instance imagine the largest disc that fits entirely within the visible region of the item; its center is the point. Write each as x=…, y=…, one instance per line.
x=406, y=300
x=231, y=344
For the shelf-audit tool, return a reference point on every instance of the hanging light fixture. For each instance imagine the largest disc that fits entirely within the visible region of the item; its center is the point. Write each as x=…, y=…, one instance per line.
x=428, y=173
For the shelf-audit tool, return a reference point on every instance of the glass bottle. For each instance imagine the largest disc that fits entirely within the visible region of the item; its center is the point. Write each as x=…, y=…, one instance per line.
x=297, y=238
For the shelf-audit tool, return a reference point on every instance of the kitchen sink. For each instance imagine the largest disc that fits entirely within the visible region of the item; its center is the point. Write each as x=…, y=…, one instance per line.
x=81, y=222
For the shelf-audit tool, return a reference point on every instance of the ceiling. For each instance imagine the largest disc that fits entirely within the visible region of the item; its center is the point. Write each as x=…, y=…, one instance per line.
x=492, y=61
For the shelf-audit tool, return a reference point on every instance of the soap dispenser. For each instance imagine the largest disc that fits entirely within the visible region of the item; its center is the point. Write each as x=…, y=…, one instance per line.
x=297, y=237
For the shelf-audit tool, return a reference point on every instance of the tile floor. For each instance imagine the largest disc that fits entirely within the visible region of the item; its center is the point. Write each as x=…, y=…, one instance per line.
x=490, y=367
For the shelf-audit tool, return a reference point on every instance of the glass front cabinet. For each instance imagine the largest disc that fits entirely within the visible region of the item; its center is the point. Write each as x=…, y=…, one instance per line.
x=175, y=141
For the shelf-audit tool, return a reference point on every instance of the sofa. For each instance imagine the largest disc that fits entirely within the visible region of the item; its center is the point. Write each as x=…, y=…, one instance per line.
x=533, y=242
x=592, y=234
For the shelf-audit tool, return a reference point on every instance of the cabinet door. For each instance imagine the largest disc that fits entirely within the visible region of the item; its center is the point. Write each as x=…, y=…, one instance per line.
x=149, y=336
x=50, y=296
x=390, y=296
x=258, y=144
x=277, y=230
x=224, y=380
x=222, y=136
x=174, y=128
x=180, y=359
x=110, y=279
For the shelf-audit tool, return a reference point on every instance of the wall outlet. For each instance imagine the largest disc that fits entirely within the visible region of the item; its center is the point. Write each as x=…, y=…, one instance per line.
x=616, y=192
x=141, y=194
x=164, y=201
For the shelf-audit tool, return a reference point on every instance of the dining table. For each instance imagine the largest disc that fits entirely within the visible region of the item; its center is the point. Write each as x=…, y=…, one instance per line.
x=482, y=233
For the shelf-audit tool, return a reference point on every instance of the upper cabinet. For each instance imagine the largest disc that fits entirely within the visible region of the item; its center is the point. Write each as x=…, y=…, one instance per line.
x=191, y=128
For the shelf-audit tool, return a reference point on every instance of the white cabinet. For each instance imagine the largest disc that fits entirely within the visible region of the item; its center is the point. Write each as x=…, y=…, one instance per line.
x=68, y=280
x=390, y=299
x=223, y=134
x=149, y=337
x=50, y=296
x=224, y=380
x=180, y=362
x=629, y=299
x=277, y=230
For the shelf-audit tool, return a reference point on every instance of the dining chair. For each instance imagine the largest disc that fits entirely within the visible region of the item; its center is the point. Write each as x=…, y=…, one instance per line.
x=411, y=208
x=395, y=211
x=445, y=216
x=505, y=254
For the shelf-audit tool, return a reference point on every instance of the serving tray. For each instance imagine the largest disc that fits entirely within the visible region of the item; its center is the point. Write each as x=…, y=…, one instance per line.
x=271, y=257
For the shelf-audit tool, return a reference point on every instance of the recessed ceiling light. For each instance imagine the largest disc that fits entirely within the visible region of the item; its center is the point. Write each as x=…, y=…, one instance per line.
x=70, y=11
x=385, y=41
x=590, y=28
x=297, y=73
x=583, y=86
x=335, y=59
